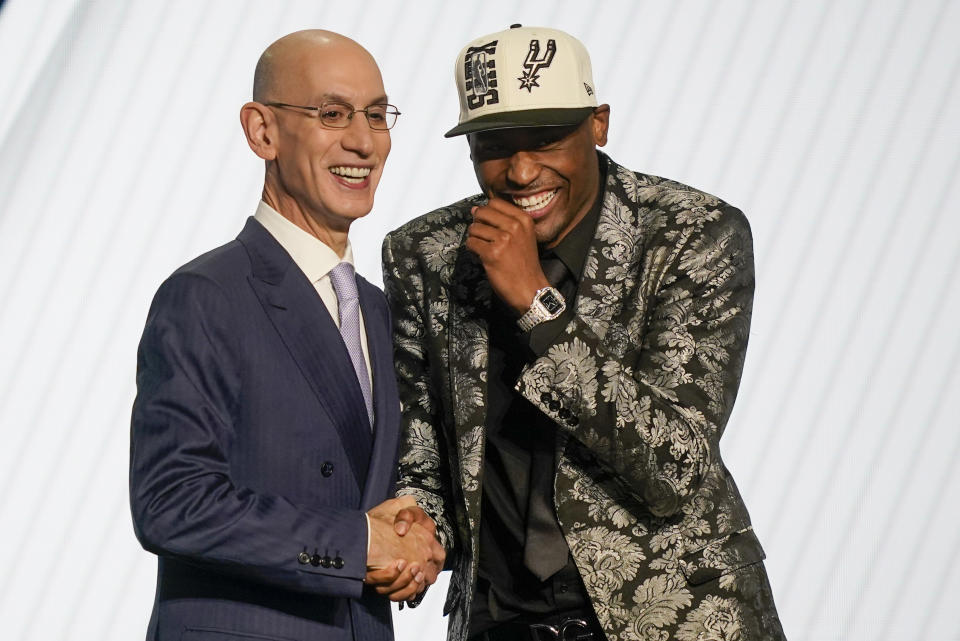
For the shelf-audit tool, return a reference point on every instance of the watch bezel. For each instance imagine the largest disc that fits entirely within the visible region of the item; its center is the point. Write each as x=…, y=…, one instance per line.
x=557, y=299
x=538, y=312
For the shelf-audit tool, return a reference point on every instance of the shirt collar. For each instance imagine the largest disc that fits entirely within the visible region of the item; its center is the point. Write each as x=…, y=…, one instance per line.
x=312, y=256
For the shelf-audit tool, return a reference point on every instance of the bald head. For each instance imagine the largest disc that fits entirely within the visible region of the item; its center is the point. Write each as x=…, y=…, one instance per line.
x=318, y=175
x=281, y=62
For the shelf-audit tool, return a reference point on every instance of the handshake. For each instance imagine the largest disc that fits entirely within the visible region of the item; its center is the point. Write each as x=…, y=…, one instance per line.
x=405, y=556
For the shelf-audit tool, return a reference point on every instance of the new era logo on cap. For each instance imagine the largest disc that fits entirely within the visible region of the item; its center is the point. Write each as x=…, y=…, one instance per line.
x=522, y=77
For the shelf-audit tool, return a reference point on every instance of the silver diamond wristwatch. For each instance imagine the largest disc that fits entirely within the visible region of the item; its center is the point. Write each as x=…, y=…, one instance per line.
x=547, y=304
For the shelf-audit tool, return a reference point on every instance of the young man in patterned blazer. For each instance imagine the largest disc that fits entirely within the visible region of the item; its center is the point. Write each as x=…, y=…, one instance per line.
x=569, y=346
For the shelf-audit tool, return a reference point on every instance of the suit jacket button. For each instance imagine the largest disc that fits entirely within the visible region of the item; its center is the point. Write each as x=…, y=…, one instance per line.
x=325, y=561
x=327, y=468
x=564, y=413
x=545, y=398
x=338, y=563
x=304, y=558
x=573, y=421
x=553, y=405
x=315, y=560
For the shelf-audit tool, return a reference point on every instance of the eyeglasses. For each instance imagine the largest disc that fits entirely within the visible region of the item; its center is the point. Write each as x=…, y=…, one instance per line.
x=337, y=115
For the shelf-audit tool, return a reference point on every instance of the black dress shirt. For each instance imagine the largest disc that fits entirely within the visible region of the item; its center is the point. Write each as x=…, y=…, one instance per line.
x=506, y=589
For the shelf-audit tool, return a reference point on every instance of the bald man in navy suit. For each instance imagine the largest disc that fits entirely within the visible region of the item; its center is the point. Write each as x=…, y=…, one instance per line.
x=264, y=432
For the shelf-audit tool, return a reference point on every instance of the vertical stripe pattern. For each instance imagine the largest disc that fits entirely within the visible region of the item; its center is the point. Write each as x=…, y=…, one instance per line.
x=834, y=125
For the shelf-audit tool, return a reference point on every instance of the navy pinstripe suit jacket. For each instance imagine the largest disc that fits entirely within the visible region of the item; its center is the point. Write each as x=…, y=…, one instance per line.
x=252, y=461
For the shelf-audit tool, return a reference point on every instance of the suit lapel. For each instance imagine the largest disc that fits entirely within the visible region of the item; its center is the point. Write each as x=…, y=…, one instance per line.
x=385, y=404
x=313, y=340
x=611, y=268
x=468, y=353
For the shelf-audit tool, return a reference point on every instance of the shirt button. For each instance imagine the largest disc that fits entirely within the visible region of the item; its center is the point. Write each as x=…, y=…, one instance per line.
x=327, y=468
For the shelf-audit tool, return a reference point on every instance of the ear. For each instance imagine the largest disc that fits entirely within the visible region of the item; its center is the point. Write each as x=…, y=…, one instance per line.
x=259, y=126
x=601, y=120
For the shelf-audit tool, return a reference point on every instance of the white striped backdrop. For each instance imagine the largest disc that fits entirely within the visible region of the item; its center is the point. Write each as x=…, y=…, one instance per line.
x=834, y=125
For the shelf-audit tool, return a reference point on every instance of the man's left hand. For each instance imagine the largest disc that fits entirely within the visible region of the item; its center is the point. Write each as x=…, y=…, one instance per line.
x=502, y=236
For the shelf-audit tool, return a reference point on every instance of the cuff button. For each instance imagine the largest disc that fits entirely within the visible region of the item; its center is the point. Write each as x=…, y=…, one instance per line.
x=303, y=558
x=325, y=561
x=338, y=563
x=315, y=560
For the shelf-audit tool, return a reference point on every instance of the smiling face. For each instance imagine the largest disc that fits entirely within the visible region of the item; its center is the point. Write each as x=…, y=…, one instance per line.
x=551, y=173
x=327, y=177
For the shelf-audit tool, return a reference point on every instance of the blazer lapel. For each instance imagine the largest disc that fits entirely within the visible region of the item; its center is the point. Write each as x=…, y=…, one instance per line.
x=611, y=268
x=386, y=406
x=468, y=354
x=313, y=340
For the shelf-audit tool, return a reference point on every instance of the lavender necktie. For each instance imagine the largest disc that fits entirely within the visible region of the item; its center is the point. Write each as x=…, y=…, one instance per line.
x=348, y=300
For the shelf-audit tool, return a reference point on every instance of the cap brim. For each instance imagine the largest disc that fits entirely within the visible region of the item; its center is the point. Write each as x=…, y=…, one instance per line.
x=528, y=118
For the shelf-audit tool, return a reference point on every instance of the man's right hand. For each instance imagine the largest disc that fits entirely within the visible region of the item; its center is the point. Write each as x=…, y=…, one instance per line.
x=504, y=238
x=402, y=566
x=407, y=518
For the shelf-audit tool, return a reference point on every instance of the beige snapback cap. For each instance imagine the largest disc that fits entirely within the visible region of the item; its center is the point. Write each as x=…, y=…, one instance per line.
x=523, y=77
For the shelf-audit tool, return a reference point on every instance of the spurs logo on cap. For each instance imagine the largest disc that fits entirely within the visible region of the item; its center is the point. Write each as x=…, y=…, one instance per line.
x=532, y=65
x=480, y=73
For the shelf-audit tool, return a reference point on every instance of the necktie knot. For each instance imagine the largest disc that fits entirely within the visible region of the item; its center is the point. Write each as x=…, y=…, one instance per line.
x=344, y=282
x=559, y=275
x=554, y=269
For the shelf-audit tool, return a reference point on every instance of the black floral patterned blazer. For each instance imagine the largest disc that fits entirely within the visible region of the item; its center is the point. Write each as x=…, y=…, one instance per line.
x=640, y=384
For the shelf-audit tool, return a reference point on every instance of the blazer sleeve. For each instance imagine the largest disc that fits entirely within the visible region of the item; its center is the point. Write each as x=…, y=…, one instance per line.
x=650, y=396
x=424, y=470
x=183, y=500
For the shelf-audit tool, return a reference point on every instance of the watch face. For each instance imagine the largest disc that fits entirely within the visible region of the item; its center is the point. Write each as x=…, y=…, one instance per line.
x=551, y=302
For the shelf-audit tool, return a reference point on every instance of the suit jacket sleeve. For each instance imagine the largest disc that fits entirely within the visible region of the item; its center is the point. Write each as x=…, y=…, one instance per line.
x=648, y=393
x=184, y=502
x=424, y=471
